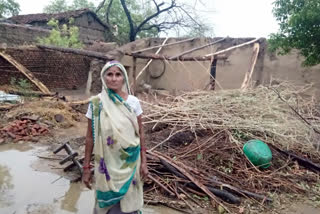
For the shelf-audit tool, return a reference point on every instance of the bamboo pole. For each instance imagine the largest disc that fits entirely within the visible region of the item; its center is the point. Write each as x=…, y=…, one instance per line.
x=166, y=45
x=254, y=57
x=233, y=47
x=163, y=57
x=149, y=62
x=77, y=51
x=26, y=72
x=195, y=49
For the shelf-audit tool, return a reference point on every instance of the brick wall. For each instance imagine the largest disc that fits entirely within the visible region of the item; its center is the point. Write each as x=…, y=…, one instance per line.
x=13, y=35
x=55, y=69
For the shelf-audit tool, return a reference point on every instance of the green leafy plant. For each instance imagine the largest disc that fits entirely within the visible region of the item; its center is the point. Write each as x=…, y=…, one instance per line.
x=62, y=36
x=21, y=84
x=299, y=22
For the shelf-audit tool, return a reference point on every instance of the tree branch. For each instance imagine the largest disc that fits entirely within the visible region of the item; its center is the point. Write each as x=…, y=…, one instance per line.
x=108, y=11
x=160, y=26
x=181, y=8
x=157, y=5
x=173, y=4
x=100, y=6
x=133, y=31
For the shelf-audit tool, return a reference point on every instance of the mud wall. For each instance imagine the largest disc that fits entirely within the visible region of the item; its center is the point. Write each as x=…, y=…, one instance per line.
x=55, y=69
x=177, y=75
x=289, y=67
x=230, y=72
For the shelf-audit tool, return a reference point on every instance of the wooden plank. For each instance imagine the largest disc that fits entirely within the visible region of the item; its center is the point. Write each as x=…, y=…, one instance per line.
x=26, y=72
x=254, y=57
x=166, y=45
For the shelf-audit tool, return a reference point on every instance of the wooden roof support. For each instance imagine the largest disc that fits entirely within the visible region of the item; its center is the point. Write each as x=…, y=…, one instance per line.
x=26, y=72
x=149, y=62
x=163, y=57
x=198, y=48
x=163, y=45
x=253, y=61
x=231, y=48
x=76, y=51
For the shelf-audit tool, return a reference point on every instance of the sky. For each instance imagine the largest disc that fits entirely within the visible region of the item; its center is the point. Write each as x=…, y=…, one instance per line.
x=234, y=18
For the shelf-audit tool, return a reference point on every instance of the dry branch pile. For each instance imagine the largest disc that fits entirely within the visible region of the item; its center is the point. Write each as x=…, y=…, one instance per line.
x=202, y=134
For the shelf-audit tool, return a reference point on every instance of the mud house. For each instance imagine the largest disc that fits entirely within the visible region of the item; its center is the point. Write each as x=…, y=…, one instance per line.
x=230, y=68
x=24, y=29
x=70, y=69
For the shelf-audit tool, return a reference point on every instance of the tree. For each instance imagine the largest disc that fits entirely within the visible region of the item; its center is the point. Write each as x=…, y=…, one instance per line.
x=59, y=6
x=299, y=22
x=9, y=8
x=62, y=36
x=149, y=17
x=132, y=19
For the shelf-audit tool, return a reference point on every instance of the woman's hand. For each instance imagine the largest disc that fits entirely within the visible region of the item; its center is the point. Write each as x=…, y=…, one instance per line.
x=87, y=177
x=144, y=169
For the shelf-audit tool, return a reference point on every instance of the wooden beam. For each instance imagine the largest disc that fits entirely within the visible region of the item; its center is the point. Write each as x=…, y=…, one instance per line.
x=77, y=51
x=163, y=57
x=166, y=45
x=233, y=47
x=149, y=62
x=198, y=48
x=249, y=73
x=26, y=72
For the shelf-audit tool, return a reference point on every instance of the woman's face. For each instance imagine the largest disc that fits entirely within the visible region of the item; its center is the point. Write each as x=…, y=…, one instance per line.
x=114, y=79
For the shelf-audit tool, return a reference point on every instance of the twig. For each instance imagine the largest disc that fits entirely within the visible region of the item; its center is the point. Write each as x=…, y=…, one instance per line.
x=49, y=158
x=56, y=180
x=161, y=185
x=196, y=182
x=295, y=111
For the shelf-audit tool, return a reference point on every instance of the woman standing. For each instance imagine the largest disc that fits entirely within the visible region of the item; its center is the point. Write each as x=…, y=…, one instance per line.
x=115, y=136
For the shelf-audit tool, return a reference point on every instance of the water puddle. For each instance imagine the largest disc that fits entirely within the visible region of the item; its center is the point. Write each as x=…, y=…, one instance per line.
x=25, y=190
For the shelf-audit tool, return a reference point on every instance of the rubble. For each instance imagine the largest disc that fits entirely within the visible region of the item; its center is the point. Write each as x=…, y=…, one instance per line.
x=23, y=130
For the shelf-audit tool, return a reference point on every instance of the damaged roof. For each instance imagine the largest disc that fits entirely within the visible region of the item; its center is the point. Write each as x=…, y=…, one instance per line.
x=45, y=17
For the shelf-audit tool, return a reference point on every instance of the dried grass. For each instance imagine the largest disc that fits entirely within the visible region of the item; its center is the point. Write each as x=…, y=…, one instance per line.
x=252, y=114
x=222, y=121
x=46, y=109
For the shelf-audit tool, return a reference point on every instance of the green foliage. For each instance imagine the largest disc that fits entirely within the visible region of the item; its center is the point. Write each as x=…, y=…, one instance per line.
x=58, y=6
x=118, y=19
x=183, y=22
x=62, y=36
x=299, y=22
x=23, y=85
x=9, y=8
